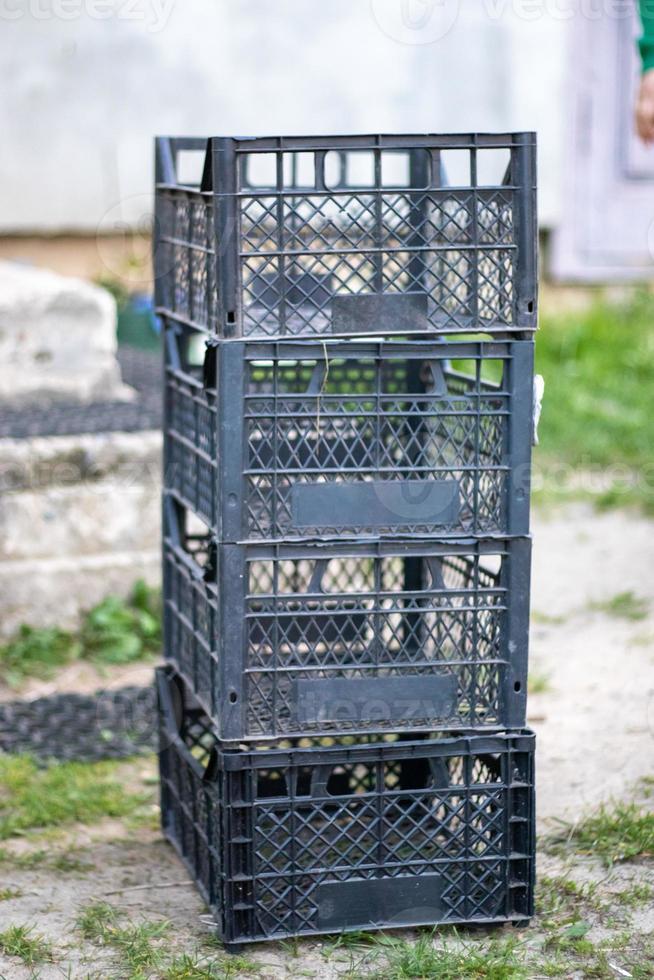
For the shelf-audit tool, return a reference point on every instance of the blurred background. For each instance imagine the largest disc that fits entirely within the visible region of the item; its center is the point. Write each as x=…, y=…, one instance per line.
x=86, y=85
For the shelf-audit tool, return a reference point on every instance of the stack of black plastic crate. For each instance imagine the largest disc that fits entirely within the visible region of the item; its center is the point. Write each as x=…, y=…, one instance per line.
x=348, y=332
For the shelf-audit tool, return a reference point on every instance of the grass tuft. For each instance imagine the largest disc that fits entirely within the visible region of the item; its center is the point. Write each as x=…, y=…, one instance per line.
x=36, y=653
x=28, y=860
x=624, y=605
x=27, y=945
x=197, y=967
x=62, y=793
x=6, y=894
x=559, y=898
x=118, y=632
x=188, y=967
x=134, y=945
x=64, y=861
x=640, y=893
x=546, y=619
x=538, y=683
x=100, y=923
x=95, y=921
x=69, y=863
x=619, y=832
x=407, y=960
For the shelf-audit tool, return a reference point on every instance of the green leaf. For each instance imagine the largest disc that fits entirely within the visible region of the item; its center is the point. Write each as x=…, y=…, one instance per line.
x=577, y=931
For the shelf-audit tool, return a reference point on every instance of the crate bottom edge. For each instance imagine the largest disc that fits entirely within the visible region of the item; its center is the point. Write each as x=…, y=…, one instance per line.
x=517, y=918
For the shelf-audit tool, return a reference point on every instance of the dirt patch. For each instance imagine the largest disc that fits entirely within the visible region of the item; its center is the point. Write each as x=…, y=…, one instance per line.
x=83, y=677
x=141, y=878
x=595, y=719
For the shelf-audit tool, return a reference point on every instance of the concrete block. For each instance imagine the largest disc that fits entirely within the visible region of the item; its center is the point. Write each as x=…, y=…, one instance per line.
x=123, y=458
x=83, y=519
x=57, y=339
x=53, y=592
x=79, y=519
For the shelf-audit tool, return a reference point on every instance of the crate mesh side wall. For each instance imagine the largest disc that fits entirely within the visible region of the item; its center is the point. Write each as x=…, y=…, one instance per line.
x=190, y=812
x=466, y=817
x=360, y=616
x=368, y=612
x=343, y=420
x=185, y=258
x=347, y=420
x=191, y=627
x=301, y=250
x=307, y=232
x=191, y=441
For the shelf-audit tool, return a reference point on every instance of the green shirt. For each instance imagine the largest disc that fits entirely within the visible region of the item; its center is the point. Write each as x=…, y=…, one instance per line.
x=646, y=42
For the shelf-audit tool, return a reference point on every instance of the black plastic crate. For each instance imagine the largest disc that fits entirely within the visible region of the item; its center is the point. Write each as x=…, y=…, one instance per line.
x=314, y=838
x=311, y=236
x=284, y=639
x=280, y=440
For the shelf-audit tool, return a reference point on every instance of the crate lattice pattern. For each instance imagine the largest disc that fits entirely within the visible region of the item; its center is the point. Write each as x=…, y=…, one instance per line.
x=367, y=612
x=464, y=815
x=325, y=418
x=306, y=227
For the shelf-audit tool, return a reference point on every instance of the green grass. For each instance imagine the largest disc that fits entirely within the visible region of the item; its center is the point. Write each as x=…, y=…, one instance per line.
x=31, y=859
x=624, y=605
x=559, y=899
x=139, y=955
x=69, y=863
x=26, y=944
x=197, y=966
x=116, y=631
x=189, y=967
x=643, y=639
x=637, y=894
x=186, y=966
x=100, y=923
x=36, y=653
x=62, y=793
x=133, y=943
x=426, y=958
x=545, y=619
x=575, y=955
x=95, y=920
x=64, y=861
x=598, y=366
x=617, y=832
x=572, y=941
x=6, y=894
x=538, y=683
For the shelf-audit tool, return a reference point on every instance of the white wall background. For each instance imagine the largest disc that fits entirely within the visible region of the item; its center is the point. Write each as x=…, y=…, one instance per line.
x=85, y=85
